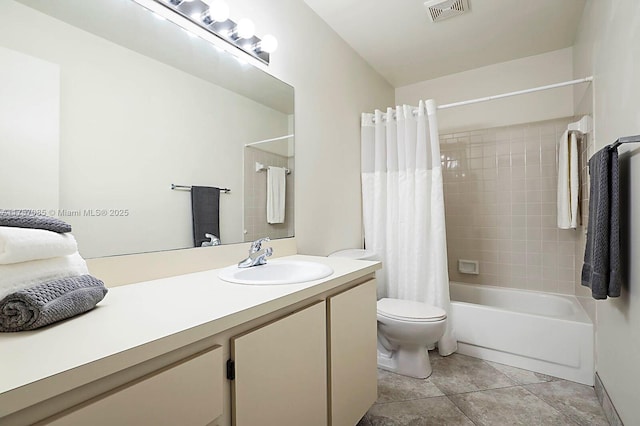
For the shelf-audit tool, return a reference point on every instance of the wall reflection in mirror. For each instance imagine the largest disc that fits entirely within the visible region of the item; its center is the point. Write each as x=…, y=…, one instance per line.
x=104, y=107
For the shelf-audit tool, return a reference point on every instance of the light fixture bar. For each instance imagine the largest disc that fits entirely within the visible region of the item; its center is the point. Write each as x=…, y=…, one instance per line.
x=195, y=10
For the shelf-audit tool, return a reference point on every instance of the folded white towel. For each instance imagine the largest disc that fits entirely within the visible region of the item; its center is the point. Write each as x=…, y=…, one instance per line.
x=24, y=244
x=19, y=276
x=568, y=183
x=276, y=194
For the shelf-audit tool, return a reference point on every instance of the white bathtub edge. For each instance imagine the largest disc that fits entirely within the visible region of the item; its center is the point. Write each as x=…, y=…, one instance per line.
x=558, y=343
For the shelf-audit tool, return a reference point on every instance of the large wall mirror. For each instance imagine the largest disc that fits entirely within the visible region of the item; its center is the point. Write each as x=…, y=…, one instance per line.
x=103, y=106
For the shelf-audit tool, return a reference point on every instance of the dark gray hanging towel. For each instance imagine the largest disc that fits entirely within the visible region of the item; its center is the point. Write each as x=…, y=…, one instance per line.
x=205, y=210
x=601, y=269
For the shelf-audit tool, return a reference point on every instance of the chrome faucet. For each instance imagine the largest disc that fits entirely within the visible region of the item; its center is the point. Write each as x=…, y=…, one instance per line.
x=257, y=256
x=215, y=241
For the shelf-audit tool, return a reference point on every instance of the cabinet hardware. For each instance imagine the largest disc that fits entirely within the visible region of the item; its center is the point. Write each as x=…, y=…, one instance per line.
x=231, y=369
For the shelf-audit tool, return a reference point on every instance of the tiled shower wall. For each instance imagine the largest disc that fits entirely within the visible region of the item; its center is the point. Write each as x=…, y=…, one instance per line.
x=255, y=196
x=500, y=206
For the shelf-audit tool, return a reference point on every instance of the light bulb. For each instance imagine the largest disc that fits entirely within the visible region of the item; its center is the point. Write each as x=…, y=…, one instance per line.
x=218, y=11
x=269, y=43
x=245, y=28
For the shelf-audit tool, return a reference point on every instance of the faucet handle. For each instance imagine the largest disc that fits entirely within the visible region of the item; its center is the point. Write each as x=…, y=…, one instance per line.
x=257, y=244
x=262, y=259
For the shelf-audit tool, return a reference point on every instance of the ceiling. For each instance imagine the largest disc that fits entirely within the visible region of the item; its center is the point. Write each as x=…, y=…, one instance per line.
x=399, y=40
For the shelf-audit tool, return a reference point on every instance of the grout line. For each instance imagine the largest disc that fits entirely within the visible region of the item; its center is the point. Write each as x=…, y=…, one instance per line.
x=483, y=390
x=408, y=400
x=563, y=414
x=462, y=411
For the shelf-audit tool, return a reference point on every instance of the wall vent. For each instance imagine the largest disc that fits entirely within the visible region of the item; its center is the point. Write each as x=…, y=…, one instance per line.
x=443, y=9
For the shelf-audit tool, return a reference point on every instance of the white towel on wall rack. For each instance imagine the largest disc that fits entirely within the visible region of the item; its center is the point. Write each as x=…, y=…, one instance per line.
x=568, y=181
x=276, y=194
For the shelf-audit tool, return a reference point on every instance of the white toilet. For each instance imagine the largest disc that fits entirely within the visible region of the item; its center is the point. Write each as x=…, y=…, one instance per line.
x=406, y=329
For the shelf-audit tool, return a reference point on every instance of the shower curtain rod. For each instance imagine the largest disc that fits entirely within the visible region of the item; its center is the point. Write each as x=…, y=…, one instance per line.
x=509, y=94
x=519, y=92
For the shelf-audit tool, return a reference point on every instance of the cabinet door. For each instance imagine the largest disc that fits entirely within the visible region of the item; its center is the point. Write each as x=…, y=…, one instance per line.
x=353, y=354
x=281, y=372
x=187, y=393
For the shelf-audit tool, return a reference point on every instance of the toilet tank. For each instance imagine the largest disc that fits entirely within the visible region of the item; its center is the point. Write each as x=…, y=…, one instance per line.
x=359, y=254
x=364, y=254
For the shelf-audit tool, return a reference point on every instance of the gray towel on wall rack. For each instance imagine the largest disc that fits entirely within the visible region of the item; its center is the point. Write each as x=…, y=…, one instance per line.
x=205, y=210
x=601, y=269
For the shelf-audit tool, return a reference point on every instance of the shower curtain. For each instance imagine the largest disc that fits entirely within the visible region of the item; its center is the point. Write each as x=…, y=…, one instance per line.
x=403, y=207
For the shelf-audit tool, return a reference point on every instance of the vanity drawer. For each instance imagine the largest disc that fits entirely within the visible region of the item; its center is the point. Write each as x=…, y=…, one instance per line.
x=185, y=393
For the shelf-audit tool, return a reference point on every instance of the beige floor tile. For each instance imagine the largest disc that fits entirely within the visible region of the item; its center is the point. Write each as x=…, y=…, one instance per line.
x=459, y=374
x=520, y=376
x=435, y=411
x=579, y=402
x=481, y=393
x=394, y=387
x=509, y=406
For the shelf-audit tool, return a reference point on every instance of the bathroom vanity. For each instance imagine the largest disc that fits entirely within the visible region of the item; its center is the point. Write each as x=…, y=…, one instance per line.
x=196, y=350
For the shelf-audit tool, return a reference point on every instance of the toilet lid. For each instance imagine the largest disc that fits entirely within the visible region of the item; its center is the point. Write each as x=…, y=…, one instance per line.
x=408, y=310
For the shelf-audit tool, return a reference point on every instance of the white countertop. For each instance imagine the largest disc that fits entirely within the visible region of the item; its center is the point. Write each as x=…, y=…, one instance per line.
x=132, y=318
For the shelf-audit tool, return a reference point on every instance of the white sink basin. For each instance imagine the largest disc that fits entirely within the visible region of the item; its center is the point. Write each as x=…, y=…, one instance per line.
x=276, y=272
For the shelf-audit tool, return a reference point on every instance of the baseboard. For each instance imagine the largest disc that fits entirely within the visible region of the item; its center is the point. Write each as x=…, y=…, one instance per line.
x=609, y=410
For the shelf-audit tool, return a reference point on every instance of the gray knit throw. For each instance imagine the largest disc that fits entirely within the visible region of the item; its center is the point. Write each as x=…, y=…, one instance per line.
x=29, y=219
x=50, y=302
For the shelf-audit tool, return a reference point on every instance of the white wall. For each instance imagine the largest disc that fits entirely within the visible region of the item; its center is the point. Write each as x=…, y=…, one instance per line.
x=608, y=45
x=131, y=126
x=333, y=86
x=29, y=131
x=519, y=74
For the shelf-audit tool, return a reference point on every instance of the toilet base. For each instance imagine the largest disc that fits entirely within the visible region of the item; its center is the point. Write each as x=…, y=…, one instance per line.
x=407, y=361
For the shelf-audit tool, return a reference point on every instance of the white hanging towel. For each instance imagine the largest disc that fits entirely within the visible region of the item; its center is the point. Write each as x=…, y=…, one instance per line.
x=276, y=192
x=568, y=184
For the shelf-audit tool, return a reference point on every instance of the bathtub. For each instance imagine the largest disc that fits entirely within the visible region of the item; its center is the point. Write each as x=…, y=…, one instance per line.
x=546, y=333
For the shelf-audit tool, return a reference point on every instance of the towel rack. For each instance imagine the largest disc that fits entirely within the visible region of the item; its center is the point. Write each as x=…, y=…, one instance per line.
x=261, y=168
x=626, y=139
x=188, y=188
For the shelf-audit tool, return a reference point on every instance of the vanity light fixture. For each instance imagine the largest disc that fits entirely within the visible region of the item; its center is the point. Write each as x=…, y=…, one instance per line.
x=179, y=2
x=245, y=28
x=268, y=44
x=213, y=16
x=218, y=11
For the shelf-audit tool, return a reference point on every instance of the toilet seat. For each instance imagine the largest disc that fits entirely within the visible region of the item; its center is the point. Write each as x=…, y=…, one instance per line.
x=410, y=311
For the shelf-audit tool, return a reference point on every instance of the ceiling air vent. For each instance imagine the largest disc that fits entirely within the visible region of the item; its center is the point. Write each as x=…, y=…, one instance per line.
x=443, y=9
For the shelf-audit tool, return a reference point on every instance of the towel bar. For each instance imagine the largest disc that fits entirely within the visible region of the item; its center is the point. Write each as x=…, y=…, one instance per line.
x=261, y=168
x=626, y=139
x=188, y=188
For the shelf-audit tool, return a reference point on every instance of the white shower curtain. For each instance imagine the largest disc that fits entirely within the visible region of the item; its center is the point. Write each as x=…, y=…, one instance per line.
x=403, y=207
